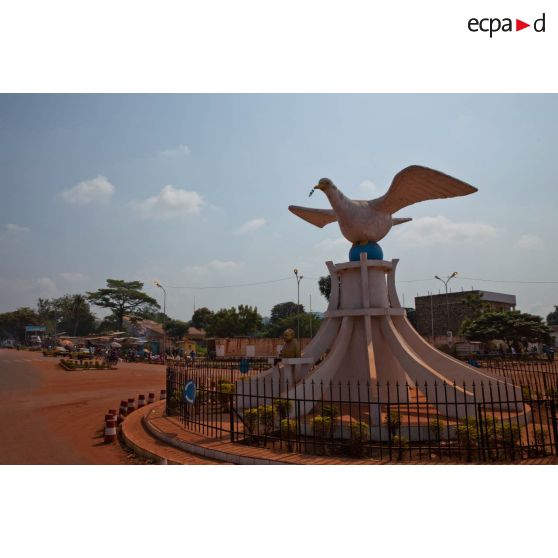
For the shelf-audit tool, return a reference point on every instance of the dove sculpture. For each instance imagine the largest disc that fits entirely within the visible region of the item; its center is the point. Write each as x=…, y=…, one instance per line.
x=362, y=221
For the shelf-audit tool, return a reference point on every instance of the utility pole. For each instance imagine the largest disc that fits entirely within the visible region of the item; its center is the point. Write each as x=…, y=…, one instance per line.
x=311, y=318
x=431, y=317
x=299, y=278
x=445, y=282
x=164, y=354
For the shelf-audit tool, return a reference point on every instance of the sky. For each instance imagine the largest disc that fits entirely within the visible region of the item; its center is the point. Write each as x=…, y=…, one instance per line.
x=193, y=190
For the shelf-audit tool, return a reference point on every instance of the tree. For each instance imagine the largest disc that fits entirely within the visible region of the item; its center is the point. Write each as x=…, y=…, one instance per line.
x=514, y=328
x=12, y=324
x=176, y=329
x=284, y=310
x=47, y=314
x=69, y=313
x=474, y=302
x=201, y=318
x=249, y=321
x=150, y=312
x=324, y=285
x=122, y=298
x=75, y=313
x=309, y=323
x=230, y=322
x=552, y=318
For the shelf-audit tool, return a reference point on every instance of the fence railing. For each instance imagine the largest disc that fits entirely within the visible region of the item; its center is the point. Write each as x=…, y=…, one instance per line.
x=487, y=422
x=539, y=375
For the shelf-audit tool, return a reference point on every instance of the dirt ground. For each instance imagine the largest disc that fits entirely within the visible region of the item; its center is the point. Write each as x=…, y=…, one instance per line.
x=52, y=416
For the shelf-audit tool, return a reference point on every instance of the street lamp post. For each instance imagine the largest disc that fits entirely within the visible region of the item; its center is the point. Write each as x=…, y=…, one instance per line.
x=157, y=284
x=445, y=282
x=299, y=278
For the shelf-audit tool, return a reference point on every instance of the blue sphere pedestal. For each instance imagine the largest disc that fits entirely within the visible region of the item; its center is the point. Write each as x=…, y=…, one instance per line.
x=372, y=250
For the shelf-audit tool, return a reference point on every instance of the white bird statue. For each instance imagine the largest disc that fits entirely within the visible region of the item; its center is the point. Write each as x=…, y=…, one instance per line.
x=364, y=221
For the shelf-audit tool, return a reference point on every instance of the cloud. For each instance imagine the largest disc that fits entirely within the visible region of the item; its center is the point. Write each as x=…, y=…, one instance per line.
x=368, y=188
x=251, y=226
x=73, y=277
x=428, y=231
x=46, y=286
x=96, y=190
x=530, y=242
x=12, y=228
x=170, y=202
x=328, y=244
x=213, y=266
x=179, y=151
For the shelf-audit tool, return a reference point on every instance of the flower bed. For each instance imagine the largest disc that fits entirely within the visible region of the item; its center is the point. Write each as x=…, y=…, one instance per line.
x=68, y=364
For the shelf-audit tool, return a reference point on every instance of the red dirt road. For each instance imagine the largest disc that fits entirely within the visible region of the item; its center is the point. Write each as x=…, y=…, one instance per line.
x=52, y=416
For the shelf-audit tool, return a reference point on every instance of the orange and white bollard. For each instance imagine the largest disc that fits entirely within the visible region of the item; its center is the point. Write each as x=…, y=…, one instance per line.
x=163, y=394
x=141, y=401
x=131, y=405
x=151, y=398
x=123, y=407
x=110, y=429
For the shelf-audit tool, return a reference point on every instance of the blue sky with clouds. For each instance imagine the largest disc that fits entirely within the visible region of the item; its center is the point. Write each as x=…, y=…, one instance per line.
x=192, y=190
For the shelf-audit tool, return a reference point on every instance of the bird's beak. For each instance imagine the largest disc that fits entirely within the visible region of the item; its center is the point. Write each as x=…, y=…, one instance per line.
x=319, y=187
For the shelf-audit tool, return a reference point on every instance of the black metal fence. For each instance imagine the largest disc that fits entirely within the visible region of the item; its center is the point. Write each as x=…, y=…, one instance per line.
x=535, y=374
x=495, y=422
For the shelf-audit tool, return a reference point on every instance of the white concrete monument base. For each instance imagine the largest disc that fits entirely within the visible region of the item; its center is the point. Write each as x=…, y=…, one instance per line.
x=366, y=338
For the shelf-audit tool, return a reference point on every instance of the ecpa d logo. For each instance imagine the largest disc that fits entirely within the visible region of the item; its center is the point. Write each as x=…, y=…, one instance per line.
x=493, y=25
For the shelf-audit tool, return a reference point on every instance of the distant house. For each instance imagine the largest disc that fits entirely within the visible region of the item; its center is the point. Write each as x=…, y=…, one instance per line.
x=248, y=346
x=431, y=311
x=150, y=331
x=195, y=334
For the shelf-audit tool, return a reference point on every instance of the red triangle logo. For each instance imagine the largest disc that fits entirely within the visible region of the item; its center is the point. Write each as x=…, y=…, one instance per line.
x=519, y=25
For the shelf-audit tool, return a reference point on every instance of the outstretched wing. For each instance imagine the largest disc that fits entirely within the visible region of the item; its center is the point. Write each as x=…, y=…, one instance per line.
x=318, y=217
x=415, y=184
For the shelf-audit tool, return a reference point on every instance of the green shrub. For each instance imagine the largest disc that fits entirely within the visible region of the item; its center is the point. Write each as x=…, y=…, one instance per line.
x=507, y=434
x=224, y=391
x=251, y=418
x=467, y=433
x=437, y=426
x=288, y=427
x=393, y=422
x=359, y=431
x=282, y=407
x=540, y=436
x=259, y=420
x=330, y=411
x=322, y=426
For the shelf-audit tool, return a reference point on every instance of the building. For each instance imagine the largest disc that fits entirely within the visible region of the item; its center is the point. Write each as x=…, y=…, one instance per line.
x=432, y=311
x=151, y=333
x=248, y=346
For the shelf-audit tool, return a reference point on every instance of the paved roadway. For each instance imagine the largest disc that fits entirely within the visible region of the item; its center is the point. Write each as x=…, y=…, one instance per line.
x=52, y=416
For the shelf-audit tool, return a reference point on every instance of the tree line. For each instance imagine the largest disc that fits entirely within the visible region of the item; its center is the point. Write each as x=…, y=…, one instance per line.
x=72, y=314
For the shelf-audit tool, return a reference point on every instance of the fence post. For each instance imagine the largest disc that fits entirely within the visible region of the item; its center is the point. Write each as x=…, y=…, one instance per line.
x=231, y=416
x=554, y=425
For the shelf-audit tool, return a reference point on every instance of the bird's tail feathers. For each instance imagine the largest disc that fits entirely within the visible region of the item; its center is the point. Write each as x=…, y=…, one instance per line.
x=399, y=220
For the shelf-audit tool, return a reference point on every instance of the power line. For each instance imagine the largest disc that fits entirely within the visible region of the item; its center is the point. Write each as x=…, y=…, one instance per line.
x=510, y=281
x=198, y=288
x=228, y=286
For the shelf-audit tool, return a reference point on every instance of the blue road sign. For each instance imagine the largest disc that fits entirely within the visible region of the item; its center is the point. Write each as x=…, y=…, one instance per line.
x=189, y=392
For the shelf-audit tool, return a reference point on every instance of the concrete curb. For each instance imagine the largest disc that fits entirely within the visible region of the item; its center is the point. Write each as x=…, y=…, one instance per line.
x=134, y=443
x=206, y=452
